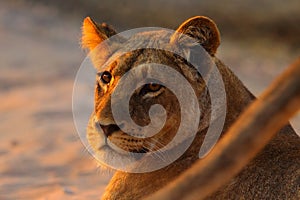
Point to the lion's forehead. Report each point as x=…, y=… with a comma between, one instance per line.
x=148, y=39
x=143, y=47
x=145, y=62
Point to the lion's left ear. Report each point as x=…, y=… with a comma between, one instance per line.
x=203, y=30
x=93, y=33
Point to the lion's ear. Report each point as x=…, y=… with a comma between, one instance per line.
x=93, y=34
x=203, y=30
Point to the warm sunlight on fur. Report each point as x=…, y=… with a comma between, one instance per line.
x=276, y=165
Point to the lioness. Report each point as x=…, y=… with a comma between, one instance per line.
x=273, y=174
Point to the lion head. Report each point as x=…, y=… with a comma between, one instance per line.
x=113, y=61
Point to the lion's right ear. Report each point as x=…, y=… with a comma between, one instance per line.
x=93, y=34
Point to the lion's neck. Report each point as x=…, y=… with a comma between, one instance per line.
x=237, y=95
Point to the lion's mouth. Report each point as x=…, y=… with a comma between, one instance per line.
x=109, y=146
x=109, y=130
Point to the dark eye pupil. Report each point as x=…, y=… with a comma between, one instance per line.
x=153, y=87
x=106, y=77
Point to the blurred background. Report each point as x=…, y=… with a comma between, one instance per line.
x=41, y=156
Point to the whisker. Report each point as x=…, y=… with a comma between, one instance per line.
x=160, y=145
x=158, y=153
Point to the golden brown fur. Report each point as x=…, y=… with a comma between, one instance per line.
x=273, y=174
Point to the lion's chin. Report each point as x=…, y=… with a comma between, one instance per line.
x=108, y=157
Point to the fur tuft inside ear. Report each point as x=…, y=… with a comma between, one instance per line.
x=201, y=28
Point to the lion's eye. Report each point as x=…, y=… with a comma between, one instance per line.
x=106, y=77
x=153, y=87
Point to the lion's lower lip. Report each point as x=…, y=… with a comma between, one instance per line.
x=104, y=147
x=107, y=148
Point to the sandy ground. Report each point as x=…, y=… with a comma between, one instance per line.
x=41, y=156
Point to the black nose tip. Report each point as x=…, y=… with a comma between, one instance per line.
x=109, y=129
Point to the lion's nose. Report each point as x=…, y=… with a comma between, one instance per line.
x=109, y=129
